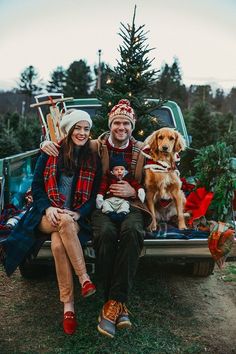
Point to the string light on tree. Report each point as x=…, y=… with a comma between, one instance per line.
x=141, y=132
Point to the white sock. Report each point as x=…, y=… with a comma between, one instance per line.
x=69, y=306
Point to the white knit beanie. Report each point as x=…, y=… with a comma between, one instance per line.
x=73, y=116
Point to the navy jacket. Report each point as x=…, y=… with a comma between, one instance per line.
x=26, y=239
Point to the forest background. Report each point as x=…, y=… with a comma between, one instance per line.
x=210, y=116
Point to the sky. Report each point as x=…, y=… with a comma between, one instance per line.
x=51, y=33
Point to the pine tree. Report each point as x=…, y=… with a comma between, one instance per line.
x=169, y=84
x=202, y=126
x=78, y=79
x=216, y=173
x=130, y=79
x=58, y=80
x=28, y=82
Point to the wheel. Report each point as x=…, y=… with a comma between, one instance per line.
x=202, y=268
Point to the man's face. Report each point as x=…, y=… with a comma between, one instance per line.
x=121, y=130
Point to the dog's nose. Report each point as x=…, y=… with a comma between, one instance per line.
x=164, y=148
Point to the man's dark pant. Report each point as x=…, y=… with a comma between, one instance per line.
x=118, y=247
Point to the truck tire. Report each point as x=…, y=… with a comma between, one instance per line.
x=202, y=268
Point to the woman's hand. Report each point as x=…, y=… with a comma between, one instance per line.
x=123, y=189
x=74, y=214
x=53, y=215
x=50, y=148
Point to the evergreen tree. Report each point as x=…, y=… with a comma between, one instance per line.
x=199, y=93
x=227, y=130
x=169, y=84
x=58, y=80
x=202, y=126
x=29, y=81
x=231, y=101
x=78, y=79
x=130, y=79
x=218, y=100
x=9, y=144
x=215, y=173
x=29, y=128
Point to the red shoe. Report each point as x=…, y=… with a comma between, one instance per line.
x=88, y=289
x=69, y=322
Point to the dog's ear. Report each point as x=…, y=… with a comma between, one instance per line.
x=152, y=141
x=180, y=143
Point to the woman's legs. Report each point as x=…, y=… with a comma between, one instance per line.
x=68, y=231
x=63, y=269
x=62, y=265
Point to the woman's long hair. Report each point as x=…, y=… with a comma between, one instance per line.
x=71, y=162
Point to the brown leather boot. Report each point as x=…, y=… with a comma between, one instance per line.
x=108, y=317
x=123, y=320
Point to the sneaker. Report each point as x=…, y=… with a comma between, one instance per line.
x=123, y=320
x=88, y=289
x=69, y=322
x=108, y=317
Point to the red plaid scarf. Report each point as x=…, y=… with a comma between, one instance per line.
x=83, y=187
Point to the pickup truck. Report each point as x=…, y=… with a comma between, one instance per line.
x=16, y=176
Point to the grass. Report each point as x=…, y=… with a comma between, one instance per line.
x=162, y=322
x=229, y=273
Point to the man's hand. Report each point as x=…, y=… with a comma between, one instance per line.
x=122, y=189
x=53, y=215
x=50, y=148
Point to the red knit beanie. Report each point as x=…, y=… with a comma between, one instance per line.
x=122, y=110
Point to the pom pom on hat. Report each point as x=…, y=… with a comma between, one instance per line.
x=73, y=116
x=122, y=110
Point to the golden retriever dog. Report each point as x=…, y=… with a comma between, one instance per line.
x=162, y=180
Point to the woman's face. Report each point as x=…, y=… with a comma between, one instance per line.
x=80, y=133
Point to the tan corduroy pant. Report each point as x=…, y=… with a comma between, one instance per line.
x=67, y=253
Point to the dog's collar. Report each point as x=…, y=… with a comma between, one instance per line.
x=159, y=166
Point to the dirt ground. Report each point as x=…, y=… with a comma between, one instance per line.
x=212, y=301
x=214, y=305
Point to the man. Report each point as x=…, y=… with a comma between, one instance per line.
x=118, y=244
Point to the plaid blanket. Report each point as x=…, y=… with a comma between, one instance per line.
x=8, y=212
x=167, y=231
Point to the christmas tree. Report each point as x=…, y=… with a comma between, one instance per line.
x=130, y=79
x=216, y=172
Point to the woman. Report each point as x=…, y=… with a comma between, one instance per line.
x=64, y=190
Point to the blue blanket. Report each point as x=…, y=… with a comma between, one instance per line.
x=166, y=231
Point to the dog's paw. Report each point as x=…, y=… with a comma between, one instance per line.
x=152, y=226
x=182, y=227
